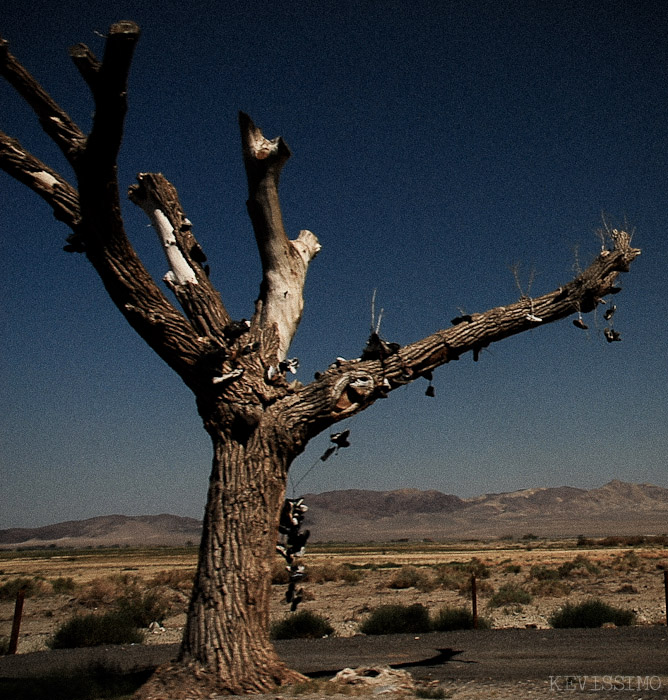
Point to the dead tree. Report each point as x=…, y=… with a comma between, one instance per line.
x=258, y=421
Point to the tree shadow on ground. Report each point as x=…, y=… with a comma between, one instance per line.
x=95, y=683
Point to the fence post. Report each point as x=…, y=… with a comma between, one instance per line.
x=665, y=585
x=16, y=625
x=474, y=601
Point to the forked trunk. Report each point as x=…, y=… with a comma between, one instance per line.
x=226, y=646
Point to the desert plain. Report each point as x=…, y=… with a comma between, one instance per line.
x=519, y=583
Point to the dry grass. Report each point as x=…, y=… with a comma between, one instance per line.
x=345, y=583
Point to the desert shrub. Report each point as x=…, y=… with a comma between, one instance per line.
x=591, y=613
x=658, y=540
x=431, y=692
x=129, y=597
x=483, y=587
x=412, y=577
x=627, y=588
x=125, y=581
x=99, y=591
x=628, y=561
x=456, y=576
x=453, y=618
x=477, y=567
x=350, y=574
x=301, y=625
x=540, y=572
x=94, y=630
x=405, y=577
x=279, y=573
x=612, y=541
x=452, y=578
x=10, y=588
x=397, y=619
x=509, y=594
x=512, y=569
x=31, y=586
x=580, y=565
x=178, y=579
x=632, y=540
x=63, y=585
x=345, y=573
x=142, y=608
x=326, y=572
x=4, y=646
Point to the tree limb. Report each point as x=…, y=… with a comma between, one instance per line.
x=41, y=179
x=86, y=63
x=349, y=387
x=55, y=121
x=108, y=82
x=187, y=277
x=284, y=262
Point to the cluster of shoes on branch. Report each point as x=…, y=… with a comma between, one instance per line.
x=610, y=334
x=292, y=548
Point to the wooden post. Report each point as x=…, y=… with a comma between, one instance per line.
x=665, y=586
x=16, y=625
x=474, y=601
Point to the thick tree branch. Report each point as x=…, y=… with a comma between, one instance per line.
x=55, y=121
x=349, y=387
x=41, y=179
x=284, y=262
x=86, y=63
x=126, y=279
x=108, y=83
x=187, y=276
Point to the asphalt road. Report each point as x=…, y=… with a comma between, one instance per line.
x=497, y=655
x=500, y=655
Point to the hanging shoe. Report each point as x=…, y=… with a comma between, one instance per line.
x=609, y=313
x=341, y=439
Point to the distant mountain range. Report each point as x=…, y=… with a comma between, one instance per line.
x=618, y=508
x=107, y=531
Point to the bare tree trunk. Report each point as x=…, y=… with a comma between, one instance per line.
x=226, y=646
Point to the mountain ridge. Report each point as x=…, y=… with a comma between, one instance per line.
x=353, y=515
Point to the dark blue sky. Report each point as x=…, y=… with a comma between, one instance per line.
x=435, y=144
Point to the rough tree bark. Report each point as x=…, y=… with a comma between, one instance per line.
x=258, y=421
